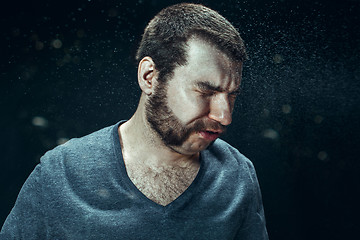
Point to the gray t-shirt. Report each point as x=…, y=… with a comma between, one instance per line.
x=81, y=190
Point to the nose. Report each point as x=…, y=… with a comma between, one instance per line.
x=220, y=109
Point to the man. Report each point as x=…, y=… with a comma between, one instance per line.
x=163, y=174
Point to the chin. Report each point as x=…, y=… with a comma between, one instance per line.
x=191, y=148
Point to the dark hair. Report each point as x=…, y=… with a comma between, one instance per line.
x=165, y=37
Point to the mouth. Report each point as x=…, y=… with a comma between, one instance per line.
x=210, y=135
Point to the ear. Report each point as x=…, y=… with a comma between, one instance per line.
x=147, y=75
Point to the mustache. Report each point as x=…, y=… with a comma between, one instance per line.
x=203, y=125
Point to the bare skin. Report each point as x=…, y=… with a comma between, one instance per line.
x=160, y=177
x=162, y=173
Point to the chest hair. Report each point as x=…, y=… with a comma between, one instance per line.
x=162, y=184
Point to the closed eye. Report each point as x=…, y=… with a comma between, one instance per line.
x=206, y=93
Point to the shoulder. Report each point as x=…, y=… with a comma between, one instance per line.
x=95, y=141
x=80, y=155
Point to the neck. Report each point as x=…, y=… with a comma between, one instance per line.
x=141, y=143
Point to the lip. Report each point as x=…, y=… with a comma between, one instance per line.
x=210, y=135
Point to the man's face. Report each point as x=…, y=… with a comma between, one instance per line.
x=194, y=107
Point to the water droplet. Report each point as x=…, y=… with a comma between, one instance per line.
x=278, y=58
x=40, y=122
x=323, y=156
x=286, y=108
x=318, y=119
x=271, y=133
x=56, y=43
x=266, y=113
x=61, y=141
x=39, y=45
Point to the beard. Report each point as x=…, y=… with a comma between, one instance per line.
x=167, y=125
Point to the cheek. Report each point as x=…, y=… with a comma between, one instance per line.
x=187, y=107
x=203, y=104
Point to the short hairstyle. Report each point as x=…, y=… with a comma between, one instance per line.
x=165, y=37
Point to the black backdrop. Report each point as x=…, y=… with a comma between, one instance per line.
x=67, y=69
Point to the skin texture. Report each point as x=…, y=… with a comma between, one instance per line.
x=162, y=141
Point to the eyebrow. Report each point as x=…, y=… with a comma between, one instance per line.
x=207, y=86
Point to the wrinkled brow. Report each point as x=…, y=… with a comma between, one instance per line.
x=208, y=86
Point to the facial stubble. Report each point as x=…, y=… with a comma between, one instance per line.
x=166, y=124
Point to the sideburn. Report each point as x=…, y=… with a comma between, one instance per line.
x=163, y=120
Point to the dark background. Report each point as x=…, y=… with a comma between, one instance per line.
x=67, y=69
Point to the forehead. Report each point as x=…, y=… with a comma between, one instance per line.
x=207, y=63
